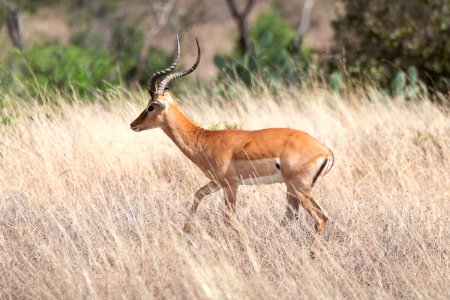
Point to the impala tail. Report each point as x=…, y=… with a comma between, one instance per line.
x=329, y=164
x=325, y=167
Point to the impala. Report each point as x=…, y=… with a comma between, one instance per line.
x=230, y=158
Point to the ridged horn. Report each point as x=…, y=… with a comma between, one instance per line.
x=169, y=78
x=152, y=86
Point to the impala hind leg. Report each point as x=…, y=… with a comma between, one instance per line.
x=314, y=210
x=229, y=194
x=319, y=215
x=291, y=207
x=204, y=191
x=310, y=205
x=322, y=218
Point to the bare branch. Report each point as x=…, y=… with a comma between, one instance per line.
x=248, y=7
x=241, y=19
x=234, y=10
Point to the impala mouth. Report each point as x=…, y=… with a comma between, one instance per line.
x=135, y=128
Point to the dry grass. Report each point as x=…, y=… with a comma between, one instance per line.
x=90, y=209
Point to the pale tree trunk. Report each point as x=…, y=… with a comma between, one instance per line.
x=304, y=22
x=160, y=22
x=14, y=24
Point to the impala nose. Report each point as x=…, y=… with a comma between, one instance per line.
x=134, y=128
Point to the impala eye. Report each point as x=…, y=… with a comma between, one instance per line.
x=150, y=108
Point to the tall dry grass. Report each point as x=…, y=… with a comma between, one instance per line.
x=90, y=209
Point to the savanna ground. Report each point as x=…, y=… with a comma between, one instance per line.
x=90, y=209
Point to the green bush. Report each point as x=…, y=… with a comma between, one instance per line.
x=124, y=47
x=274, y=58
x=65, y=68
x=395, y=43
x=82, y=67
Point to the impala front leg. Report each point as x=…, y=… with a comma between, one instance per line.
x=229, y=194
x=205, y=190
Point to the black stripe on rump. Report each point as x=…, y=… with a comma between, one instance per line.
x=320, y=170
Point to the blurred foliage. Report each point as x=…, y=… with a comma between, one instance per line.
x=224, y=125
x=124, y=47
x=396, y=44
x=33, y=6
x=400, y=46
x=61, y=68
x=274, y=58
x=83, y=66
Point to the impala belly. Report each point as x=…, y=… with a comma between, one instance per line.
x=261, y=171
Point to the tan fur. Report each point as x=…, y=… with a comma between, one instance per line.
x=228, y=157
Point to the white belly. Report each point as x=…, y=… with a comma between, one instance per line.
x=275, y=178
x=263, y=171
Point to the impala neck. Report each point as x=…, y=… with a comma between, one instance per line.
x=183, y=132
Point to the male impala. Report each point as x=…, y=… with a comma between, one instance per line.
x=230, y=158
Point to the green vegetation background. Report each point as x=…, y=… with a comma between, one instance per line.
x=402, y=47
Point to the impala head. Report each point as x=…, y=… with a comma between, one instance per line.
x=153, y=115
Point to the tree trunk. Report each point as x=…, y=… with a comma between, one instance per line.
x=140, y=63
x=160, y=22
x=304, y=22
x=80, y=3
x=244, y=40
x=241, y=18
x=14, y=24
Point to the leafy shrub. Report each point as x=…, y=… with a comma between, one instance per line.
x=66, y=69
x=124, y=47
x=396, y=43
x=274, y=57
x=82, y=67
x=33, y=6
